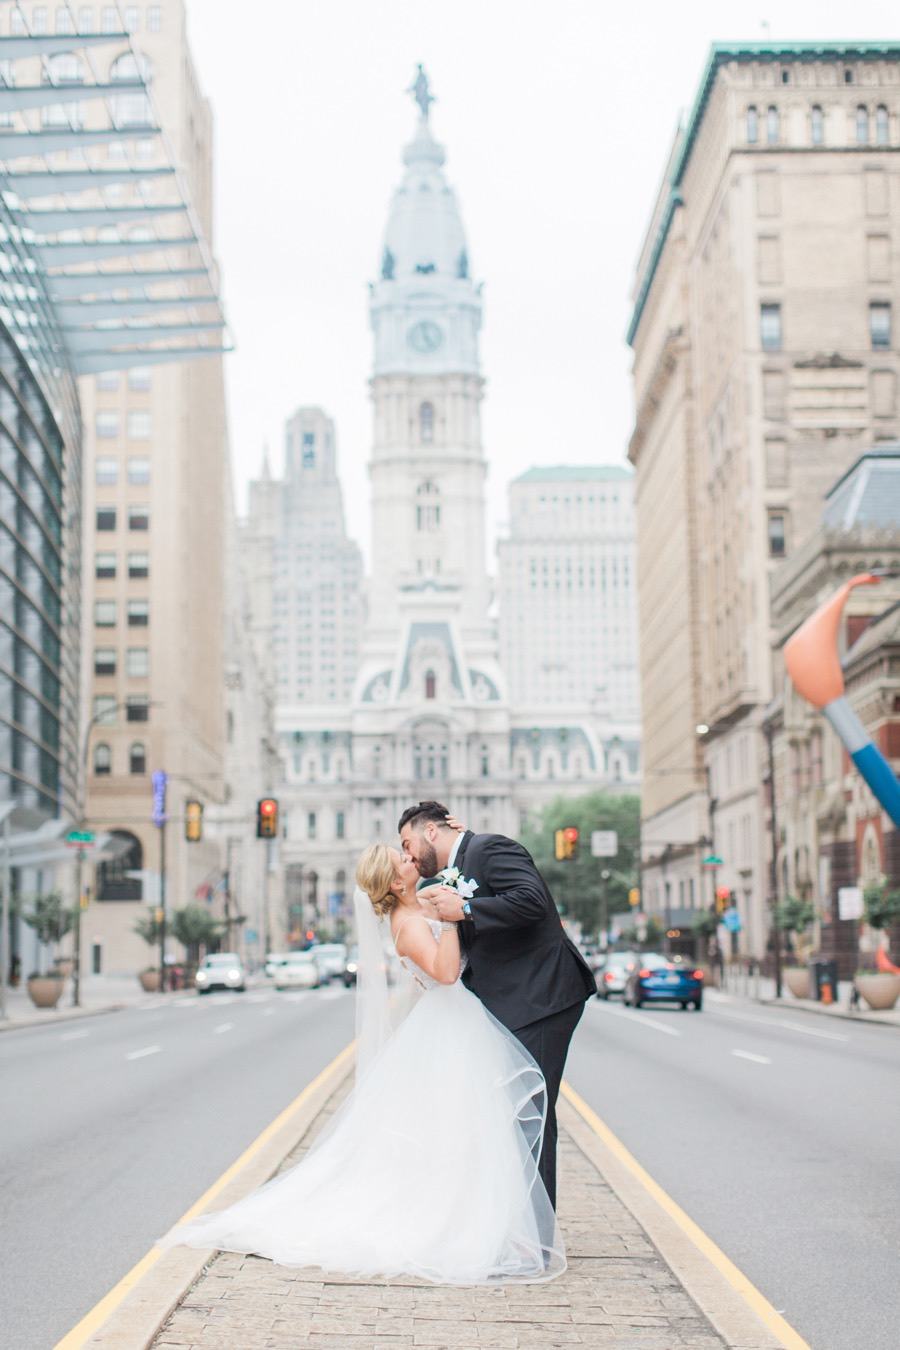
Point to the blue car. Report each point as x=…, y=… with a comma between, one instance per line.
x=659, y=979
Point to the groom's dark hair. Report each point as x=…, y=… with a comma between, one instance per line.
x=417, y=815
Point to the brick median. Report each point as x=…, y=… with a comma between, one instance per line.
x=617, y=1292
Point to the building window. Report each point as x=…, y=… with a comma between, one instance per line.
x=108, y=380
x=120, y=879
x=862, y=125
x=104, y=660
x=137, y=758
x=339, y=825
x=428, y=507
x=139, y=517
x=138, y=469
x=137, y=662
x=770, y=327
x=105, y=613
x=85, y=19
x=106, y=472
x=485, y=762
x=104, y=566
x=137, y=708
x=773, y=126
x=311, y=825
x=752, y=126
x=882, y=125
x=138, y=613
x=430, y=684
x=817, y=126
x=105, y=709
x=139, y=425
x=102, y=759
x=426, y=423
x=64, y=20
x=109, y=20
x=131, y=18
x=139, y=377
x=777, y=537
x=39, y=20
x=138, y=565
x=154, y=18
x=880, y=324
x=107, y=424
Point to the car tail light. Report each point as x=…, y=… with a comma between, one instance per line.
x=645, y=974
x=698, y=974
x=609, y=976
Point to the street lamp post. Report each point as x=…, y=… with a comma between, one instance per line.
x=769, y=732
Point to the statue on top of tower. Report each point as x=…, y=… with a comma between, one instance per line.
x=421, y=91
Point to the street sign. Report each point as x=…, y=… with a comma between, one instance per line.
x=80, y=837
x=251, y=935
x=712, y=860
x=604, y=843
x=732, y=920
x=850, y=902
x=160, y=781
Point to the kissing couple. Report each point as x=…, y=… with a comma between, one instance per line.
x=441, y=1163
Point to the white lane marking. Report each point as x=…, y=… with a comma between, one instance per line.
x=74, y=1035
x=147, y=1050
x=297, y=996
x=224, y=1026
x=780, y=1022
x=268, y=1012
x=755, y=1059
x=259, y=998
x=637, y=1018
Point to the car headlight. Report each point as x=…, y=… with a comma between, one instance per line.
x=351, y=967
x=234, y=974
x=201, y=977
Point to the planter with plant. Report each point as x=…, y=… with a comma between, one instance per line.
x=51, y=920
x=195, y=928
x=148, y=927
x=795, y=916
x=879, y=988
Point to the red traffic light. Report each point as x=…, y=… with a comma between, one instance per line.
x=267, y=818
x=570, y=834
x=268, y=807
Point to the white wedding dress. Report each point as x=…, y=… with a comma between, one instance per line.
x=427, y=1169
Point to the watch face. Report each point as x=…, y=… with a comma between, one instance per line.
x=425, y=336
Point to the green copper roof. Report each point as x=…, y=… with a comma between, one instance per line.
x=720, y=54
x=572, y=473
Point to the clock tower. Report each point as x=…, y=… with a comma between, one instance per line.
x=427, y=467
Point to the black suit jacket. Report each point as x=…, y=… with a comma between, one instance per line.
x=520, y=964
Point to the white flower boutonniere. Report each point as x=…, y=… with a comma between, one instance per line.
x=454, y=879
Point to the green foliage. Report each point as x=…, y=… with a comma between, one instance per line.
x=195, y=927
x=882, y=907
x=577, y=884
x=704, y=924
x=148, y=928
x=793, y=915
x=50, y=918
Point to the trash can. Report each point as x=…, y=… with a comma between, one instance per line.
x=823, y=978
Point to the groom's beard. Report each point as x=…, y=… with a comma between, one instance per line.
x=427, y=863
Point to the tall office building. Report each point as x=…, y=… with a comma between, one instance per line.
x=765, y=361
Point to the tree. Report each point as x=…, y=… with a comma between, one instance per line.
x=577, y=884
x=194, y=927
x=882, y=906
x=50, y=918
x=793, y=915
x=149, y=928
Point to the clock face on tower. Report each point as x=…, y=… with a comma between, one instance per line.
x=425, y=337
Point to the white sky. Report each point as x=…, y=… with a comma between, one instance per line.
x=557, y=116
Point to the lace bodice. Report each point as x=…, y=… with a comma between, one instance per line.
x=421, y=977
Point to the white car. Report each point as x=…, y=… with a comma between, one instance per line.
x=220, y=971
x=298, y=970
x=331, y=958
x=273, y=961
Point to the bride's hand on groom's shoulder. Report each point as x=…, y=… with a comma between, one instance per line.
x=456, y=824
x=440, y=902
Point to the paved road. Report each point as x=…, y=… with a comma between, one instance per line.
x=111, y=1126
x=779, y=1134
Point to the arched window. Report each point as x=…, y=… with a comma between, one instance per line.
x=862, y=125
x=131, y=109
x=102, y=759
x=428, y=507
x=426, y=423
x=752, y=126
x=430, y=684
x=882, y=125
x=115, y=879
x=817, y=126
x=773, y=125
x=137, y=757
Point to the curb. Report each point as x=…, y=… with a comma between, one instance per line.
x=721, y=1292
x=140, y=1305
x=70, y=1014
x=797, y=1006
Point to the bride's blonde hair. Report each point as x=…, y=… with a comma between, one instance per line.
x=376, y=874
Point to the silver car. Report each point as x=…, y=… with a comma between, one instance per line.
x=223, y=970
x=331, y=958
x=612, y=975
x=298, y=970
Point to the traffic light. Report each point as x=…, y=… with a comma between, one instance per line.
x=193, y=822
x=267, y=818
x=565, y=844
x=724, y=899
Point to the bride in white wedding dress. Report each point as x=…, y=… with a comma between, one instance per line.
x=429, y=1167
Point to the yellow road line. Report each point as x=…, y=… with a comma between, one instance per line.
x=760, y=1305
x=94, y=1319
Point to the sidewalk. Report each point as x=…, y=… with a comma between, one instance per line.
x=99, y=994
x=621, y=1288
x=759, y=989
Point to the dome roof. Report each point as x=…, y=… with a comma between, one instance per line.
x=424, y=235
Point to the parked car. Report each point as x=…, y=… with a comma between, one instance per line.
x=273, y=961
x=351, y=966
x=658, y=979
x=612, y=974
x=298, y=970
x=593, y=955
x=223, y=970
x=331, y=958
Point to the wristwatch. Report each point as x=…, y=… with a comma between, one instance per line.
x=467, y=910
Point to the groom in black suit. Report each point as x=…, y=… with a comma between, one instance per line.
x=521, y=964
